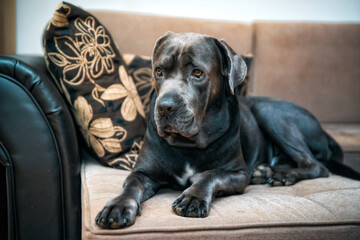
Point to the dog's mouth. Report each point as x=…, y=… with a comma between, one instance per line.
x=177, y=138
x=170, y=131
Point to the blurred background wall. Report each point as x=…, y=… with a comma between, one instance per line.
x=32, y=15
x=7, y=27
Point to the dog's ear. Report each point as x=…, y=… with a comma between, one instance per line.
x=232, y=65
x=158, y=44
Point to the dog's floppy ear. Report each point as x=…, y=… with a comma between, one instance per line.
x=233, y=66
x=158, y=44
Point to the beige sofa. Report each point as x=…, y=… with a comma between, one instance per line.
x=315, y=65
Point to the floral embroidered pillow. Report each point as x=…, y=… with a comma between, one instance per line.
x=89, y=70
x=139, y=68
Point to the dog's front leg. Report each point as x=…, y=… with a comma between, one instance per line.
x=195, y=201
x=122, y=210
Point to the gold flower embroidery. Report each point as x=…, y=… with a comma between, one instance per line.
x=95, y=46
x=87, y=56
x=132, y=103
x=98, y=132
x=70, y=58
x=59, y=18
x=143, y=81
x=128, y=162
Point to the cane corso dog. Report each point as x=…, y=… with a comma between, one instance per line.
x=206, y=140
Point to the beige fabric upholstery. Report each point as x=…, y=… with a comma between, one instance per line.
x=325, y=208
x=312, y=64
x=137, y=34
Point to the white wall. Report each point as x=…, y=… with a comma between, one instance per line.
x=32, y=15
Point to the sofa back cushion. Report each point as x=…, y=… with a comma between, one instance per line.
x=137, y=33
x=312, y=64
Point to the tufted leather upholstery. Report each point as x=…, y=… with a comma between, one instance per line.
x=39, y=147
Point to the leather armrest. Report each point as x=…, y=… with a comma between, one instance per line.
x=39, y=147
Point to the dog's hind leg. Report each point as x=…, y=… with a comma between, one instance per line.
x=262, y=174
x=296, y=134
x=290, y=141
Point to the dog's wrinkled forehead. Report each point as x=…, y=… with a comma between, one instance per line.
x=185, y=48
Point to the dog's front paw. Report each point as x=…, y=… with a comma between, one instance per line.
x=188, y=205
x=118, y=213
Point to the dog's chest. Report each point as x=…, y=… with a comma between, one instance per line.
x=188, y=176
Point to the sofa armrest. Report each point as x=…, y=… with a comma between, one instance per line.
x=39, y=147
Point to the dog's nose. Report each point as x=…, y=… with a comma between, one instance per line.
x=166, y=106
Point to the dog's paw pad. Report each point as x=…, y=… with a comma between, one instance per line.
x=190, y=206
x=118, y=214
x=281, y=179
x=261, y=174
x=275, y=183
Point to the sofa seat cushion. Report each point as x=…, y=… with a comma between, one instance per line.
x=325, y=207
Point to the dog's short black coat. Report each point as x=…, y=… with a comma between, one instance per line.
x=204, y=139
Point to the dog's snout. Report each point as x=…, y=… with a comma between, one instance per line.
x=167, y=105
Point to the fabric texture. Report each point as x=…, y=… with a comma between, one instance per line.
x=140, y=69
x=137, y=33
x=90, y=71
x=325, y=208
x=315, y=65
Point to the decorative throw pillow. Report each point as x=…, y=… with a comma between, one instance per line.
x=139, y=68
x=88, y=68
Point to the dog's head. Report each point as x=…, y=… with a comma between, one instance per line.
x=191, y=72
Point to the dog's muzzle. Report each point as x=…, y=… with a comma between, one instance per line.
x=174, y=117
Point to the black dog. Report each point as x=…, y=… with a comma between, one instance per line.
x=202, y=138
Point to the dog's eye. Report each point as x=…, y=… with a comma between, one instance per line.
x=159, y=72
x=197, y=73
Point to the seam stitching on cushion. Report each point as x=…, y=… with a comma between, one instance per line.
x=317, y=203
x=321, y=206
x=274, y=225
x=331, y=190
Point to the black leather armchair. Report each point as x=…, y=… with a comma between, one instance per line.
x=39, y=154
